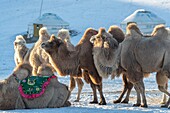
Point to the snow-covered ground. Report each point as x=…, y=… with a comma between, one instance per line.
x=81, y=14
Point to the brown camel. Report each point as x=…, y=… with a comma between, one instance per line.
x=71, y=62
x=55, y=95
x=103, y=43
x=38, y=56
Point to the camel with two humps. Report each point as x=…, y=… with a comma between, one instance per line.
x=111, y=43
x=38, y=56
x=56, y=94
x=71, y=62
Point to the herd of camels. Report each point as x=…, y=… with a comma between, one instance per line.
x=99, y=54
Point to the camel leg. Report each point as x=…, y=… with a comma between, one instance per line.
x=163, y=101
x=72, y=83
x=162, y=82
x=141, y=87
x=125, y=88
x=138, y=95
x=93, y=86
x=162, y=89
x=130, y=86
x=102, y=99
x=80, y=85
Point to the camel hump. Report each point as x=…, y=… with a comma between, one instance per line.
x=43, y=31
x=19, y=38
x=160, y=31
x=117, y=33
x=64, y=35
x=90, y=31
x=102, y=30
x=133, y=30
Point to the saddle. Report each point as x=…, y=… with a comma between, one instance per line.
x=34, y=86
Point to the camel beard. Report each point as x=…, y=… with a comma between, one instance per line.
x=104, y=62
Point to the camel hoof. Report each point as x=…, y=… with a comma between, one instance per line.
x=162, y=102
x=136, y=105
x=94, y=102
x=76, y=100
x=67, y=103
x=102, y=103
x=144, y=105
x=164, y=106
x=116, y=101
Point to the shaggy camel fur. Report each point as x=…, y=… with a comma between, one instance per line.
x=37, y=55
x=71, y=62
x=99, y=49
x=99, y=55
x=21, y=50
x=140, y=55
x=10, y=97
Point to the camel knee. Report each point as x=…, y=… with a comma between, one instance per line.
x=96, y=80
x=79, y=83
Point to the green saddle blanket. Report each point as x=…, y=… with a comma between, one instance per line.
x=34, y=86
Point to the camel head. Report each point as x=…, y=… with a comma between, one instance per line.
x=105, y=52
x=22, y=71
x=103, y=40
x=45, y=70
x=19, y=42
x=52, y=45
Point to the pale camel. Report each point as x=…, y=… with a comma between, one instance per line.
x=55, y=95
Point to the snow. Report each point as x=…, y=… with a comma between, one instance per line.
x=80, y=14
